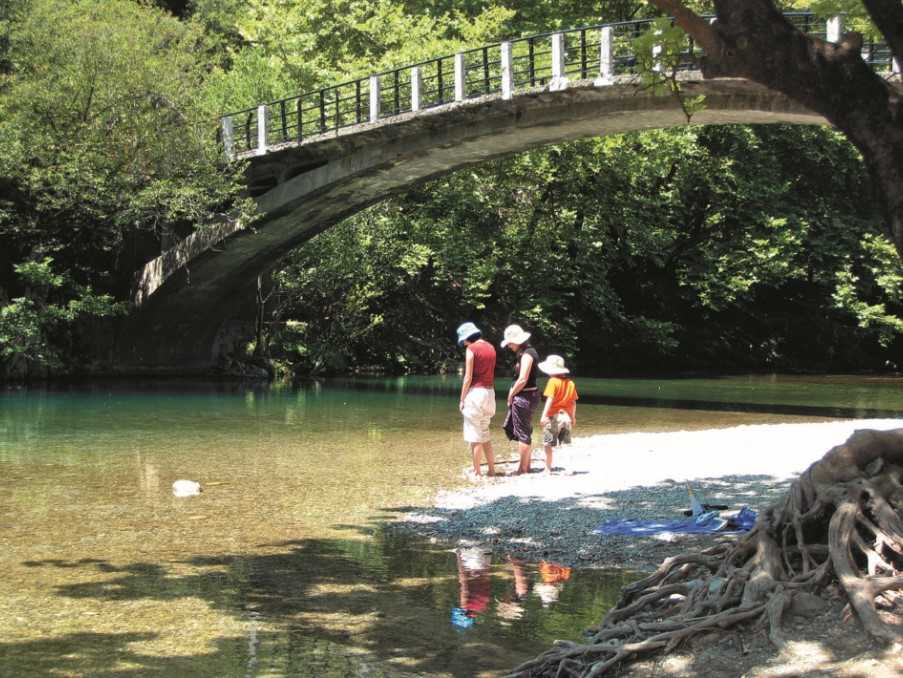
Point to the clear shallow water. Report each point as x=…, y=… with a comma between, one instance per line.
x=281, y=565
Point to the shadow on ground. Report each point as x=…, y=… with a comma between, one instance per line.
x=534, y=528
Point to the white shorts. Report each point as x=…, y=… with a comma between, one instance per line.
x=479, y=407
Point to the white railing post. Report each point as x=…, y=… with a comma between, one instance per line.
x=656, y=53
x=374, y=98
x=261, y=129
x=559, y=80
x=228, y=138
x=834, y=28
x=507, y=74
x=459, y=77
x=895, y=66
x=606, y=61
x=416, y=85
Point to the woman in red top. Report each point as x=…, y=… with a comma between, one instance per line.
x=477, y=402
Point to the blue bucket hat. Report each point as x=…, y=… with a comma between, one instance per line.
x=466, y=331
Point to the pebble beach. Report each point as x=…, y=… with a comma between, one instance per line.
x=542, y=516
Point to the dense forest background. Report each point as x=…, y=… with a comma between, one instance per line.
x=696, y=248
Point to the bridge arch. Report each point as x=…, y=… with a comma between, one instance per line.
x=192, y=294
x=318, y=158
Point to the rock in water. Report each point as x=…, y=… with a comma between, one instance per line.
x=186, y=488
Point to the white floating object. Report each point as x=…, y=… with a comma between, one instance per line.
x=186, y=488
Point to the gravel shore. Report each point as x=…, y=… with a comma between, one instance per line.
x=631, y=475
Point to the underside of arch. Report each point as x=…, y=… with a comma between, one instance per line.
x=191, y=293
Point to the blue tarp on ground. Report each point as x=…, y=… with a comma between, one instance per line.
x=706, y=523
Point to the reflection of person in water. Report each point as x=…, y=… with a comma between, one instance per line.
x=551, y=580
x=474, y=586
x=510, y=607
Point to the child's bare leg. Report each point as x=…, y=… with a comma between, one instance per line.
x=548, y=458
x=490, y=456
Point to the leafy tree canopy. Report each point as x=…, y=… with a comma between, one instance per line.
x=105, y=143
x=690, y=248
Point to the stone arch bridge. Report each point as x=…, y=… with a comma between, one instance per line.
x=315, y=159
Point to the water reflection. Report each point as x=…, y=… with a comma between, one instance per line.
x=510, y=607
x=552, y=578
x=474, y=586
x=105, y=572
x=545, y=581
x=148, y=477
x=309, y=607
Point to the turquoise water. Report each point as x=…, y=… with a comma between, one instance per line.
x=283, y=565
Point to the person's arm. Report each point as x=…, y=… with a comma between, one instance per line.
x=549, y=395
x=526, y=362
x=545, y=411
x=468, y=377
x=572, y=410
x=521, y=584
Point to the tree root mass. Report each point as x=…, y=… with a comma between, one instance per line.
x=840, y=524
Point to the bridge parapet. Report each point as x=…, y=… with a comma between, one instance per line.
x=603, y=53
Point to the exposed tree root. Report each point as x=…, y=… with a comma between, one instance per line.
x=841, y=522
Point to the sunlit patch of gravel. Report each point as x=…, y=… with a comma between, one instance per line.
x=629, y=475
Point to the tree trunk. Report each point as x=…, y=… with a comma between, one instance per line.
x=751, y=39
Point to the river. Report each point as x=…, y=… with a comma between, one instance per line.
x=283, y=564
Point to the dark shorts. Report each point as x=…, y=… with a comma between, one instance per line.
x=519, y=419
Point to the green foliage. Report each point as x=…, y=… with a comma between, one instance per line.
x=30, y=325
x=660, y=53
x=855, y=16
x=697, y=247
x=280, y=49
x=101, y=121
x=273, y=50
x=682, y=249
x=866, y=295
x=105, y=150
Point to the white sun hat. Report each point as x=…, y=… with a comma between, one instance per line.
x=553, y=365
x=514, y=334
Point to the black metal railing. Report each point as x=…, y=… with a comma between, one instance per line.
x=311, y=114
x=437, y=82
x=531, y=62
x=482, y=71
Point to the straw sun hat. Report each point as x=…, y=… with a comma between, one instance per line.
x=514, y=334
x=553, y=365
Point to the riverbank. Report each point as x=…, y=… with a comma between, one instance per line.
x=625, y=476
x=540, y=517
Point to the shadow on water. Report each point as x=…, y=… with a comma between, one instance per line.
x=587, y=397
x=330, y=607
x=109, y=655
